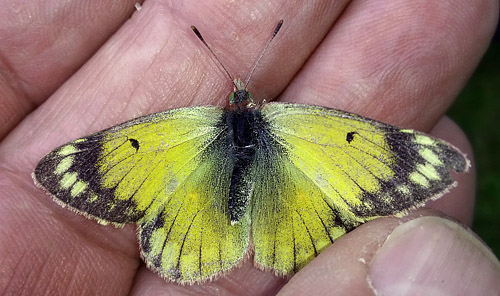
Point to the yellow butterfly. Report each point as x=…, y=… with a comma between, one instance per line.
x=207, y=185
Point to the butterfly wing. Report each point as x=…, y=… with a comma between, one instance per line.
x=167, y=171
x=325, y=171
x=192, y=240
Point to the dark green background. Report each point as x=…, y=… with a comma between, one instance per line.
x=477, y=111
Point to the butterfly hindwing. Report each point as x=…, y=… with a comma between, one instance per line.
x=292, y=219
x=192, y=239
x=326, y=171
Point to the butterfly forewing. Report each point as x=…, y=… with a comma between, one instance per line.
x=125, y=173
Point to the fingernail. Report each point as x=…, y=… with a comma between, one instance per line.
x=434, y=256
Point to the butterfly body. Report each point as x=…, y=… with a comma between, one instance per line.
x=242, y=141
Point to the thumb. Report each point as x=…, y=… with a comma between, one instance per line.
x=434, y=256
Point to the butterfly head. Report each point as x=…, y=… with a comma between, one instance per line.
x=240, y=96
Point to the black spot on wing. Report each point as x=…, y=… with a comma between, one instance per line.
x=134, y=143
x=350, y=136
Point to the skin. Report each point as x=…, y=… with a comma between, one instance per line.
x=76, y=69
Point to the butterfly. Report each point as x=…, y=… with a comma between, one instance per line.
x=207, y=185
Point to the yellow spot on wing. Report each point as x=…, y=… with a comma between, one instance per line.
x=430, y=156
x=78, y=188
x=403, y=189
x=68, y=180
x=424, y=140
x=193, y=197
x=64, y=165
x=67, y=150
x=429, y=171
x=418, y=178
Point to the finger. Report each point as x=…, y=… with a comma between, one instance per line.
x=425, y=256
x=434, y=256
x=401, y=62
x=43, y=43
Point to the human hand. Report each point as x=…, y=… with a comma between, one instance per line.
x=394, y=62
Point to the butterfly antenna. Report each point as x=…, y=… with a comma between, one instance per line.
x=276, y=30
x=198, y=34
